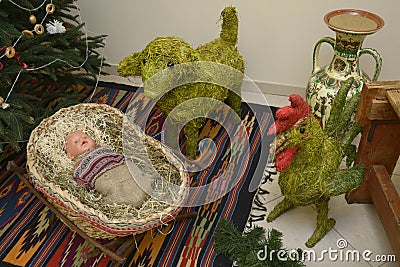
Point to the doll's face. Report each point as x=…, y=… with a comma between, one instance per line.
x=77, y=143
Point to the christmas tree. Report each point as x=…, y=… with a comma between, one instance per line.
x=46, y=55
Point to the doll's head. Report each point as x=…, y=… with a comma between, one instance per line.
x=77, y=143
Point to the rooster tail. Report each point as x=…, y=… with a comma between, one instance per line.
x=349, y=136
x=345, y=181
x=341, y=110
x=230, y=25
x=345, y=120
x=340, y=123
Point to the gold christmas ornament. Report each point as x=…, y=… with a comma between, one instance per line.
x=31, y=120
x=39, y=29
x=50, y=8
x=32, y=19
x=10, y=52
x=1, y=100
x=27, y=32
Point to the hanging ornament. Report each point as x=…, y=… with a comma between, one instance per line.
x=3, y=104
x=55, y=27
x=32, y=19
x=39, y=29
x=27, y=32
x=22, y=64
x=50, y=8
x=10, y=52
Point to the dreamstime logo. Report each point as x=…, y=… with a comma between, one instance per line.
x=340, y=254
x=219, y=75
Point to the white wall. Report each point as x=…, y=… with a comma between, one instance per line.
x=276, y=37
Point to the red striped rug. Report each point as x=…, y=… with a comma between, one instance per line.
x=27, y=238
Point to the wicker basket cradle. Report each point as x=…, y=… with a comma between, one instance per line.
x=93, y=221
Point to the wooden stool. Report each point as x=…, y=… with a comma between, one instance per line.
x=379, y=149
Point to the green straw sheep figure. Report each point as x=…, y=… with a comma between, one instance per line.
x=165, y=81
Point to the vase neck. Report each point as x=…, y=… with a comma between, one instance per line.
x=345, y=62
x=348, y=44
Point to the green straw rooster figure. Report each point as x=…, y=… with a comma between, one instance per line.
x=308, y=157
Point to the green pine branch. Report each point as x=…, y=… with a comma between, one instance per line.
x=257, y=248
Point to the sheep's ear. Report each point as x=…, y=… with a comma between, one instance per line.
x=131, y=65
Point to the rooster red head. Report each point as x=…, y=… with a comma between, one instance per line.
x=286, y=118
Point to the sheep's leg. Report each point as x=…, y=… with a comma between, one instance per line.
x=192, y=138
x=235, y=102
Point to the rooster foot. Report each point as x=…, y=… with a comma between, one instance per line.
x=324, y=225
x=280, y=208
x=320, y=232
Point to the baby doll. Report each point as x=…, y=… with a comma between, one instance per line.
x=102, y=169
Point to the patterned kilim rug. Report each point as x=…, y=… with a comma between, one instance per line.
x=28, y=238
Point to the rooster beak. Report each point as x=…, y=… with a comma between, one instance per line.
x=278, y=143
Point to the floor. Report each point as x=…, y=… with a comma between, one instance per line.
x=358, y=229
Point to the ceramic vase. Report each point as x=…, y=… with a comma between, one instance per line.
x=350, y=27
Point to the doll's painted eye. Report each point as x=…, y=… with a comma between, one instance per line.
x=144, y=61
x=302, y=130
x=170, y=64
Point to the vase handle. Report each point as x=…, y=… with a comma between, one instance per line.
x=378, y=60
x=317, y=46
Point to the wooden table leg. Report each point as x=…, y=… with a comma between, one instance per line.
x=379, y=144
x=387, y=203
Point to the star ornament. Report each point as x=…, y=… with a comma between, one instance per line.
x=55, y=27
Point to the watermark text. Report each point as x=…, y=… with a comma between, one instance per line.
x=339, y=254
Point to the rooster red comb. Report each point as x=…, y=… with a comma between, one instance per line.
x=286, y=117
